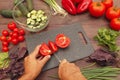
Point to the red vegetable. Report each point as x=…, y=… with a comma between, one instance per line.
x=9, y=39
x=15, y=41
x=21, y=38
x=45, y=50
x=115, y=24
x=15, y=35
x=12, y=25
x=107, y=3
x=21, y=32
x=3, y=38
x=112, y=13
x=5, y=43
x=53, y=47
x=5, y=49
x=5, y=33
x=16, y=30
x=97, y=9
x=62, y=41
x=69, y=6
x=83, y=6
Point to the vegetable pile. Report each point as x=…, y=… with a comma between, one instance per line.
x=14, y=37
x=16, y=57
x=36, y=19
x=101, y=73
x=61, y=41
x=107, y=39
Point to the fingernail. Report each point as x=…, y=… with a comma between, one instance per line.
x=48, y=56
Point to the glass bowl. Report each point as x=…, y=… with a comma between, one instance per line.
x=22, y=20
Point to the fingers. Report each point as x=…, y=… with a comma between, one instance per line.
x=36, y=51
x=44, y=60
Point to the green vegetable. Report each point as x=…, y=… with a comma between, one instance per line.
x=30, y=5
x=8, y=13
x=101, y=73
x=107, y=39
x=36, y=19
x=57, y=9
x=4, y=60
x=21, y=7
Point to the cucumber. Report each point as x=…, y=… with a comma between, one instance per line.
x=29, y=5
x=8, y=13
x=21, y=7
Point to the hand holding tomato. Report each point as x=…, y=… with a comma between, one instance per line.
x=97, y=9
x=33, y=62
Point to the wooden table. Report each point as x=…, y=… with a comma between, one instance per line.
x=90, y=25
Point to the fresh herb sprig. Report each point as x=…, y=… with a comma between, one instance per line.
x=107, y=38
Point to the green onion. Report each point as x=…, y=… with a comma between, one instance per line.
x=57, y=9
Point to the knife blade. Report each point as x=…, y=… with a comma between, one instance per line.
x=59, y=60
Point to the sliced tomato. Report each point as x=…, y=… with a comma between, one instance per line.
x=45, y=50
x=53, y=47
x=62, y=41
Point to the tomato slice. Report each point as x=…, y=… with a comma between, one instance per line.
x=62, y=41
x=53, y=47
x=45, y=50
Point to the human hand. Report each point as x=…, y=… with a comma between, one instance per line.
x=33, y=65
x=69, y=71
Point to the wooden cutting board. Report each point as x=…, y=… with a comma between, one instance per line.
x=79, y=48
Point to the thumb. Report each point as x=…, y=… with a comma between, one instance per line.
x=44, y=60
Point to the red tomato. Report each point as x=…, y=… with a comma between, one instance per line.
x=21, y=32
x=112, y=13
x=97, y=9
x=5, y=43
x=15, y=41
x=11, y=33
x=15, y=35
x=21, y=38
x=62, y=41
x=9, y=39
x=107, y=3
x=5, y=33
x=16, y=30
x=3, y=38
x=45, y=50
x=5, y=49
x=115, y=24
x=53, y=46
x=12, y=25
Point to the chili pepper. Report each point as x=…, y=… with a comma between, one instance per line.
x=69, y=6
x=83, y=6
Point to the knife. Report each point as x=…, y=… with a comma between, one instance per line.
x=59, y=60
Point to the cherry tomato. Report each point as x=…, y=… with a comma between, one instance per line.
x=21, y=32
x=5, y=43
x=15, y=41
x=16, y=30
x=115, y=24
x=5, y=49
x=112, y=13
x=62, y=41
x=97, y=9
x=12, y=25
x=45, y=50
x=107, y=3
x=5, y=33
x=53, y=46
x=9, y=39
x=3, y=38
x=21, y=38
x=15, y=35
x=11, y=33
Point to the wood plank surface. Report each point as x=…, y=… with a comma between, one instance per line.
x=90, y=25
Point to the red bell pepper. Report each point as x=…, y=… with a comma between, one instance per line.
x=69, y=6
x=83, y=6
